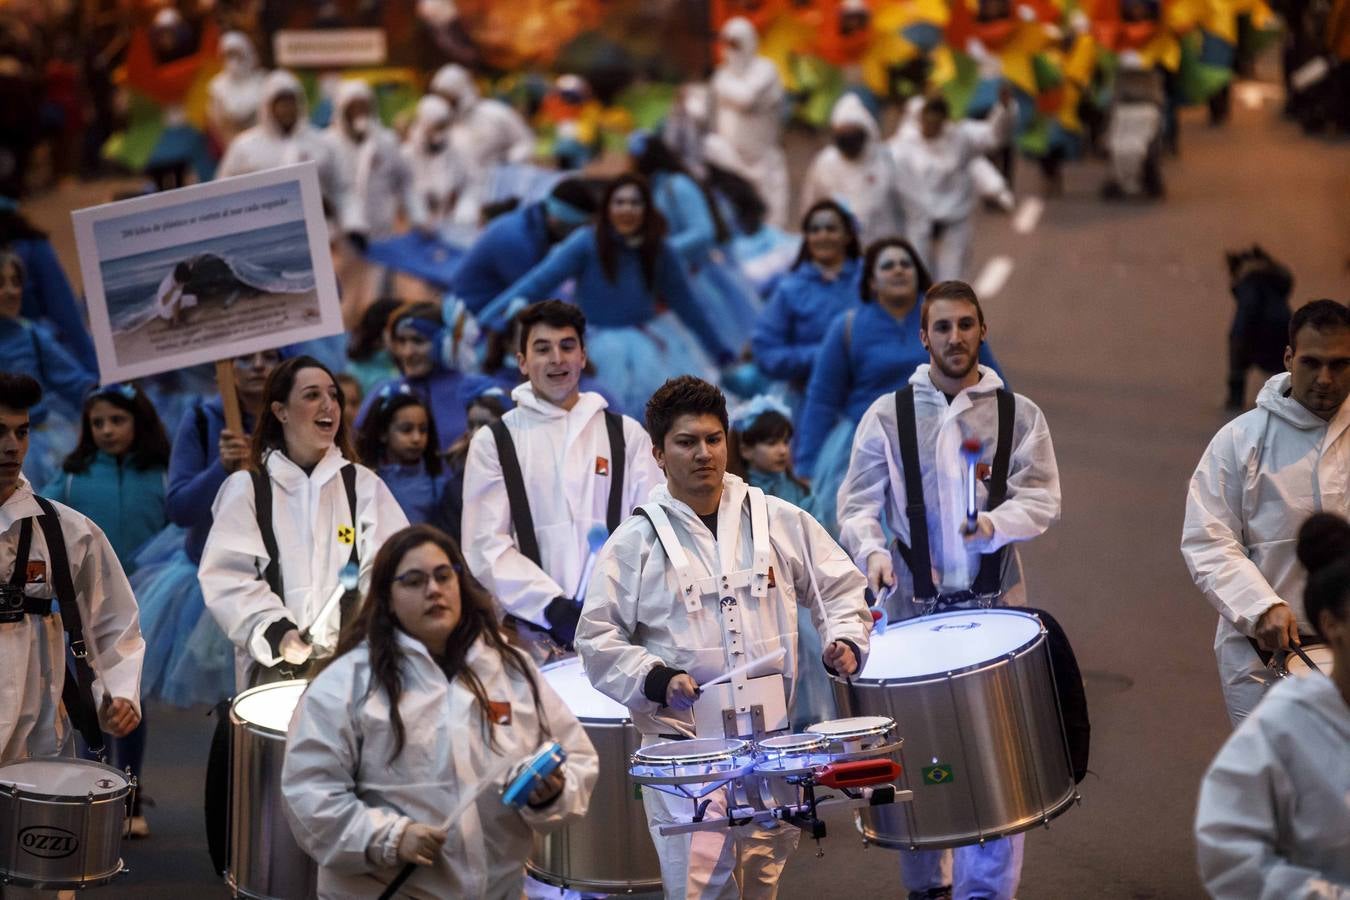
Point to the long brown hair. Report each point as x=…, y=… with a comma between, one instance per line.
x=653, y=233
x=377, y=627
x=269, y=435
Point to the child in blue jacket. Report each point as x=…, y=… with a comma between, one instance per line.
x=398, y=440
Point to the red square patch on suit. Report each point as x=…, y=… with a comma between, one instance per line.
x=601, y=466
x=500, y=711
x=37, y=571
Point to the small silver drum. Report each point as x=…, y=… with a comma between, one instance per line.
x=265, y=861
x=692, y=768
x=61, y=823
x=609, y=851
x=858, y=737
x=792, y=754
x=1319, y=653
x=984, y=750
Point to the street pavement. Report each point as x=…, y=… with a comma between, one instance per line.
x=1113, y=319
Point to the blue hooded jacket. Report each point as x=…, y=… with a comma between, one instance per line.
x=195, y=472
x=507, y=249
x=31, y=348
x=789, y=331
x=126, y=502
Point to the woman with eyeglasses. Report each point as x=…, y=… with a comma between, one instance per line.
x=867, y=351
x=822, y=283
x=293, y=528
x=424, y=706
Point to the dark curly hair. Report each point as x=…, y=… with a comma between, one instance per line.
x=609, y=245
x=149, y=447
x=554, y=313
x=19, y=391
x=1324, y=550
x=867, y=291
x=685, y=395
x=371, y=438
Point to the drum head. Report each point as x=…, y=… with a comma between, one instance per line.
x=63, y=778
x=568, y=678
x=698, y=750
x=801, y=742
x=854, y=728
x=948, y=642
x=269, y=706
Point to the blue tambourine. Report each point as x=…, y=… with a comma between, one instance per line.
x=542, y=764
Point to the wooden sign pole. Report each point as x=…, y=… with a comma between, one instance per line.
x=234, y=420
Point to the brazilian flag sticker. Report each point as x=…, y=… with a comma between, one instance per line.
x=939, y=774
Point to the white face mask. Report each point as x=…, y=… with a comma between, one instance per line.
x=237, y=66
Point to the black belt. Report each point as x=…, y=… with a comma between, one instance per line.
x=37, y=606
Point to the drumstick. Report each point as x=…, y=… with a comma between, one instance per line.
x=773, y=657
x=347, y=580
x=970, y=452
x=595, y=539
x=1306, y=658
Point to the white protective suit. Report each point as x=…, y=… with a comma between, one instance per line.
x=265, y=146
x=33, y=721
x=485, y=133
x=748, y=118
x=349, y=803
x=874, y=487
x=375, y=167
x=438, y=178
x=313, y=530
x=1261, y=476
x=638, y=617
x=938, y=180
x=564, y=461
x=1273, y=819
x=1129, y=137
x=235, y=92
x=867, y=186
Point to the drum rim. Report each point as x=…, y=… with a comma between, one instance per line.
x=237, y=719
x=874, y=731
x=739, y=748
x=599, y=720
x=819, y=742
x=1040, y=636
x=73, y=799
x=39, y=885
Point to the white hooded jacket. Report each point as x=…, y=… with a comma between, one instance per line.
x=375, y=167
x=936, y=177
x=349, y=800
x=1273, y=819
x=314, y=532
x=873, y=490
x=635, y=617
x=33, y=722
x=265, y=146
x=867, y=186
x=438, y=177
x=235, y=92
x=564, y=461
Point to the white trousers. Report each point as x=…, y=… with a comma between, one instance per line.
x=1238, y=662
x=952, y=257
x=976, y=872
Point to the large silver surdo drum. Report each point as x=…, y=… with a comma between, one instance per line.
x=61, y=823
x=973, y=696
x=610, y=851
x=265, y=861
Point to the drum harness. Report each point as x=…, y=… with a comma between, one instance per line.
x=77, y=694
x=987, y=586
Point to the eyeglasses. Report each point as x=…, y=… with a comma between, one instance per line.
x=416, y=579
x=887, y=264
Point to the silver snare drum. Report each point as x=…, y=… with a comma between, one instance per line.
x=61, y=823
x=973, y=696
x=609, y=851
x=265, y=861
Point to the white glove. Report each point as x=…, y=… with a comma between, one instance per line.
x=294, y=649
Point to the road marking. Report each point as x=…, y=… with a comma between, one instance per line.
x=993, y=276
x=1028, y=215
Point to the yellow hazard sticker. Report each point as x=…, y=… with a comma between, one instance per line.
x=346, y=534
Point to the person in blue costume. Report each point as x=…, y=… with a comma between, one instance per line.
x=47, y=297
x=116, y=477
x=822, y=284
x=398, y=441
x=697, y=232
x=417, y=339
x=866, y=352
x=623, y=268
x=31, y=348
x=368, y=357
x=516, y=242
x=188, y=659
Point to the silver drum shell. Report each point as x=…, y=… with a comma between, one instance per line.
x=265, y=861
x=997, y=725
x=90, y=827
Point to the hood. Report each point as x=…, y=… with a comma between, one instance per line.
x=1274, y=398
x=431, y=112
x=349, y=90
x=743, y=32
x=989, y=381
x=733, y=495
x=455, y=81
x=275, y=84
x=238, y=42
x=849, y=110
x=587, y=405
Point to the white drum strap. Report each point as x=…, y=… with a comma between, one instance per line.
x=692, y=587
x=689, y=583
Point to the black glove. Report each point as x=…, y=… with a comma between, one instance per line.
x=562, y=615
x=359, y=241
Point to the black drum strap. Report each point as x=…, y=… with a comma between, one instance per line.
x=516, y=498
x=989, y=579
x=918, y=558
x=618, y=452
x=20, y=576
x=1069, y=692
x=262, y=510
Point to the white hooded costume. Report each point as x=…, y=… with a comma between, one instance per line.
x=371, y=162
x=564, y=462
x=1273, y=819
x=717, y=603
x=33, y=721
x=1261, y=476
x=265, y=146
x=314, y=531
x=867, y=186
x=484, y=133
x=349, y=799
x=235, y=92
x=748, y=115
x=438, y=178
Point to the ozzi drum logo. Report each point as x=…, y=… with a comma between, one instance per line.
x=48, y=842
x=956, y=626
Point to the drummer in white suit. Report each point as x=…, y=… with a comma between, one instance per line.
x=950, y=400
x=262, y=597
x=33, y=719
x=708, y=577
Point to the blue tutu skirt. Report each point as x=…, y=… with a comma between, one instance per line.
x=729, y=297
x=831, y=466
x=635, y=361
